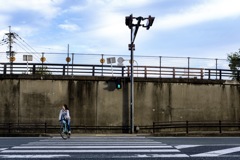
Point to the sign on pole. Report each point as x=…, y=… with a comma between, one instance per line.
x=27, y=58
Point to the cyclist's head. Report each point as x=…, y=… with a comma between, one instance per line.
x=66, y=107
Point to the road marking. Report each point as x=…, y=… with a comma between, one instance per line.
x=169, y=155
x=50, y=148
x=92, y=151
x=154, y=156
x=87, y=147
x=85, y=142
x=186, y=146
x=217, y=152
x=34, y=156
x=103, y=137
x=1, y=149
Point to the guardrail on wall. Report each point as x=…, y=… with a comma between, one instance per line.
x=117, y=71
x=36, y=128
x=189, y=126
x=157, y=127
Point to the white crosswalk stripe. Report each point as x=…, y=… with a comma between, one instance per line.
x=1, y=149
x=58, y=148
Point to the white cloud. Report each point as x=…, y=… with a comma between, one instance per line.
x=105, y=22
x=47, y=8
x=4, y=19
x=69, y=27
x=206, y=11
x=108, y=4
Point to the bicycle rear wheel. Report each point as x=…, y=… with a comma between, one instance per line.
x=63, y=133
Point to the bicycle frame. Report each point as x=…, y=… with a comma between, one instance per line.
x=65, y=129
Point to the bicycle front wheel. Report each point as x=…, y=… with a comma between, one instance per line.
x=63, y=133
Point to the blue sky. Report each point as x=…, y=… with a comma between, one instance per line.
x=182, y=28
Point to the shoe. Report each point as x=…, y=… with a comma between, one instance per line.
x=69, y=132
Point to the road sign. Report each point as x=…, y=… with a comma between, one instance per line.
x=27, y=58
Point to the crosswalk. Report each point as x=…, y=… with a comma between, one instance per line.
x=113, y=147
x=80, y=147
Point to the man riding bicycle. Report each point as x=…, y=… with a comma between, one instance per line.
x=64, y=116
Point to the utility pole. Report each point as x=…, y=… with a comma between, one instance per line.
x=11, y=53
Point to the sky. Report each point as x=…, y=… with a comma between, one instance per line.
x=182, y=28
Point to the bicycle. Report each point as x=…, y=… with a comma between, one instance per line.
x=64, y=130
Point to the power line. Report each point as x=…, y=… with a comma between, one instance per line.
x=25, y=48
x=27, y=51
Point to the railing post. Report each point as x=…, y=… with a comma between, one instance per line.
x=9, y=128
x=238, y=78
x=202, y=73
x=220, y=126
x=173, y=72
x=5, y=69
x=238, y=125
x=188, y=66
x=160, y=66
x=45, y=127
x=220, y=74
x=209, y=74
x=64, y=69
x=145, y=71
x=123, y=71
x=153, y=127
x=34, y=69
x=187, y=127
x=93, y=71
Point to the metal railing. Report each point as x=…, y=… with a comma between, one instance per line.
x=141, y=60
x=188, y=126
x=34, y=128
x=117, y=71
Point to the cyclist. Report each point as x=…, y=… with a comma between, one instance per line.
x=65, y=115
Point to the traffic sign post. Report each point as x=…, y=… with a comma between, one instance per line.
x=27, y=58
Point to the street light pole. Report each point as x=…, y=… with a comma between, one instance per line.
x=129, y=23
x=132, y=85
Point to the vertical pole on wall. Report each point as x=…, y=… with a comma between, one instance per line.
x=102, y=65
x=67, y=56
x=72, y=62
x=160, y=66
x=42, y=62
x=188, y=66
x=216, y=67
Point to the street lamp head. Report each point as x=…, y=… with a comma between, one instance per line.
x=150, y=22
x=139, y=18
x=128, y=21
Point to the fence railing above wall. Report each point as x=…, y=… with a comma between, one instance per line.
x=117, y=71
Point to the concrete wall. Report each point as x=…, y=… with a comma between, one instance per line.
x=181, y=102
x=95, y=103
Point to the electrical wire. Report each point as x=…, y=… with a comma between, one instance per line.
x=25, y=48
x=27, y=52
x=28, y=46
x=20, y=40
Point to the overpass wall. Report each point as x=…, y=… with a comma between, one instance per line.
x=96, y=103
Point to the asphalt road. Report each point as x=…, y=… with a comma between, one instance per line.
x=121, y=147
